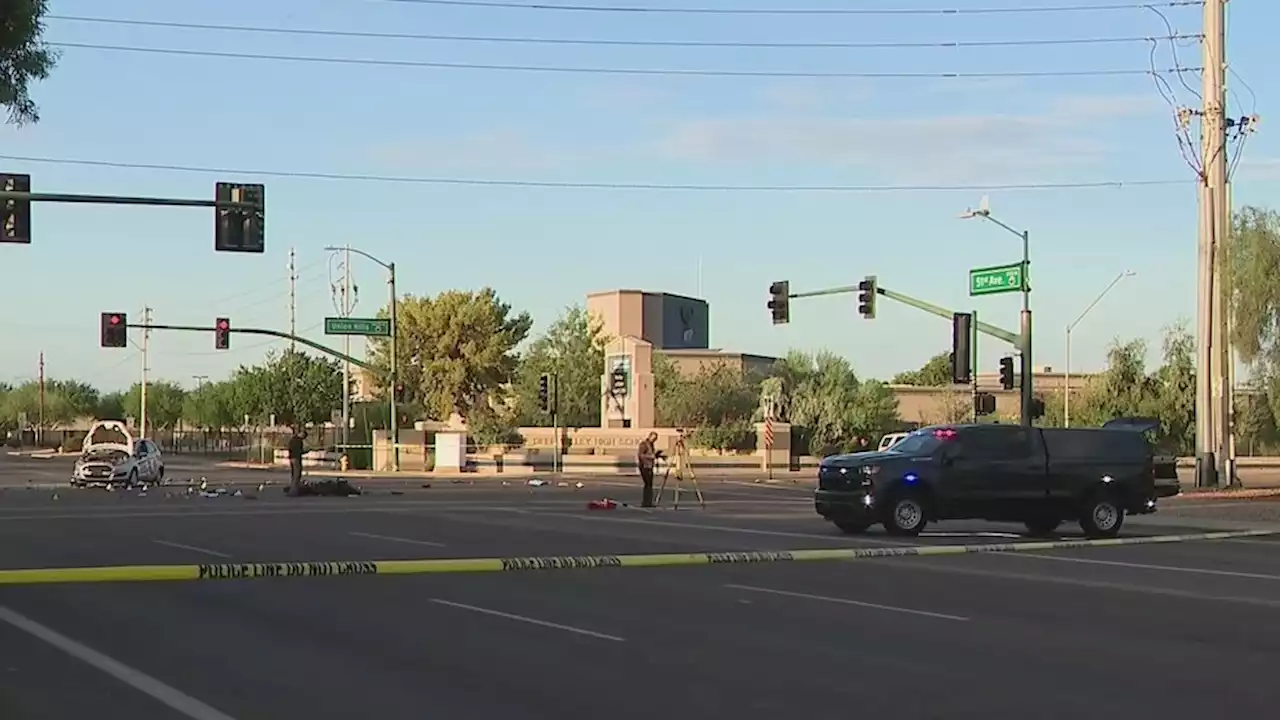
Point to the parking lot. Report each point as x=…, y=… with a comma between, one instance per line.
x=1175, y=630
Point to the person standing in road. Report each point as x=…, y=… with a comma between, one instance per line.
x=646, y=459
x=296, y=451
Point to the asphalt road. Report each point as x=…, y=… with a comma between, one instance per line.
x=1170, y=631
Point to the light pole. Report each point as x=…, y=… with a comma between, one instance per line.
x=395, y=373
x=984, y=212
x=1066, y=390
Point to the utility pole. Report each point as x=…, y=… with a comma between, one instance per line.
x=293, y=299
x=40, y=427
x=146, y=368
x=345, y=304
x=1212, y=349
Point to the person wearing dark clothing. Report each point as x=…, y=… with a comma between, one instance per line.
x=646, y=459
x=296, y=451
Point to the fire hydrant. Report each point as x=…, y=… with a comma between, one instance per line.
x=344, y=462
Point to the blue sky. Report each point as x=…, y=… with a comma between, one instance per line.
x=544, y=249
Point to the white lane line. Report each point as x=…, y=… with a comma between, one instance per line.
x=192, y=548
x=529, y=620
x=846, y=601
x=392, y=538
x=1144, y=566
x=136, y=679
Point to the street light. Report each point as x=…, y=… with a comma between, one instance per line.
x=395, y=373
x=1066, y=390
x=984, y=212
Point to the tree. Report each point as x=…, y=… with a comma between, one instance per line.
x=572, y=349
x=1126, y=389
x=835, y=409
x=297, y=388
x=1253, y=254
x=934, y=373
x=82, y=399
x=212, y=406
x=165, y=401
x=110, y=407
x=24, y=57
x=456, y=351
x=718, y=403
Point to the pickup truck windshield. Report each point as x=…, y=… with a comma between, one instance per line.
x=921, y=442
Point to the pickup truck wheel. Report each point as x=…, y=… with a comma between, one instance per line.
x=1101, y=517
x=852, y=527
x=906, y=516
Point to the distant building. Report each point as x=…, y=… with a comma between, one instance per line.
x=677, y=326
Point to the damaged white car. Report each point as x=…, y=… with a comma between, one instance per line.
x=111, y=455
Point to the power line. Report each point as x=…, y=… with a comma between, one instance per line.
x=481, y=182
x=613, y=70
x=500, y=4
x=309, y=32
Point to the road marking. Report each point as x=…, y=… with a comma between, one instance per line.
x=192, y=548
x=1076, y=582
x=391, y=538
x=846, y=601
x=136, y=679
x=1165, y=568
x=529, y=620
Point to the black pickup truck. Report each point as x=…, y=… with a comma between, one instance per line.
x=1003, y=473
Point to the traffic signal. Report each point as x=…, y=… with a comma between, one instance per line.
x=240, y=229
x=961, y=348
x=115, y=330
x=544, y=392
x=1006, y=373
x=984, y=404
x=222, y=333
x=1037, y=408
x=618, y=382
x=399, y=392
x=15, y=215
x=779, y=302
x=867, y=297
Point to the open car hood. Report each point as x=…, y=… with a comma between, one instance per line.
x=1136, y=424
x=108, y=435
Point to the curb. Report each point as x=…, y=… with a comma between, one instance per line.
x=1244, y=494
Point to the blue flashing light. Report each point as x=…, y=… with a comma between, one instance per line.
x=910, y=478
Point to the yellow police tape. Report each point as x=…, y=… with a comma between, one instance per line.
x=251, y=571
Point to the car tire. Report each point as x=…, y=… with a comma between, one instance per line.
x=1101, y=516
x=906, y=515
x=852, y=527
x=1042, y=527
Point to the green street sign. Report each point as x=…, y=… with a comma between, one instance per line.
x=375, y=327
x=995, y=280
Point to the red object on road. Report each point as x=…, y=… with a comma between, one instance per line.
x=602, y=504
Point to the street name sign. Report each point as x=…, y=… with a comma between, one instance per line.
x=374, y=327
x=995, y=280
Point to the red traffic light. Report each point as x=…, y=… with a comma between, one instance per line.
x=115, y=320
x=222, y=324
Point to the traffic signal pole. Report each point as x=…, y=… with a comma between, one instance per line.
x=1026, y=330
x=937, y=310
x=260, y=331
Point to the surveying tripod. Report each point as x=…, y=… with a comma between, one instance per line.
x=683, y=471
